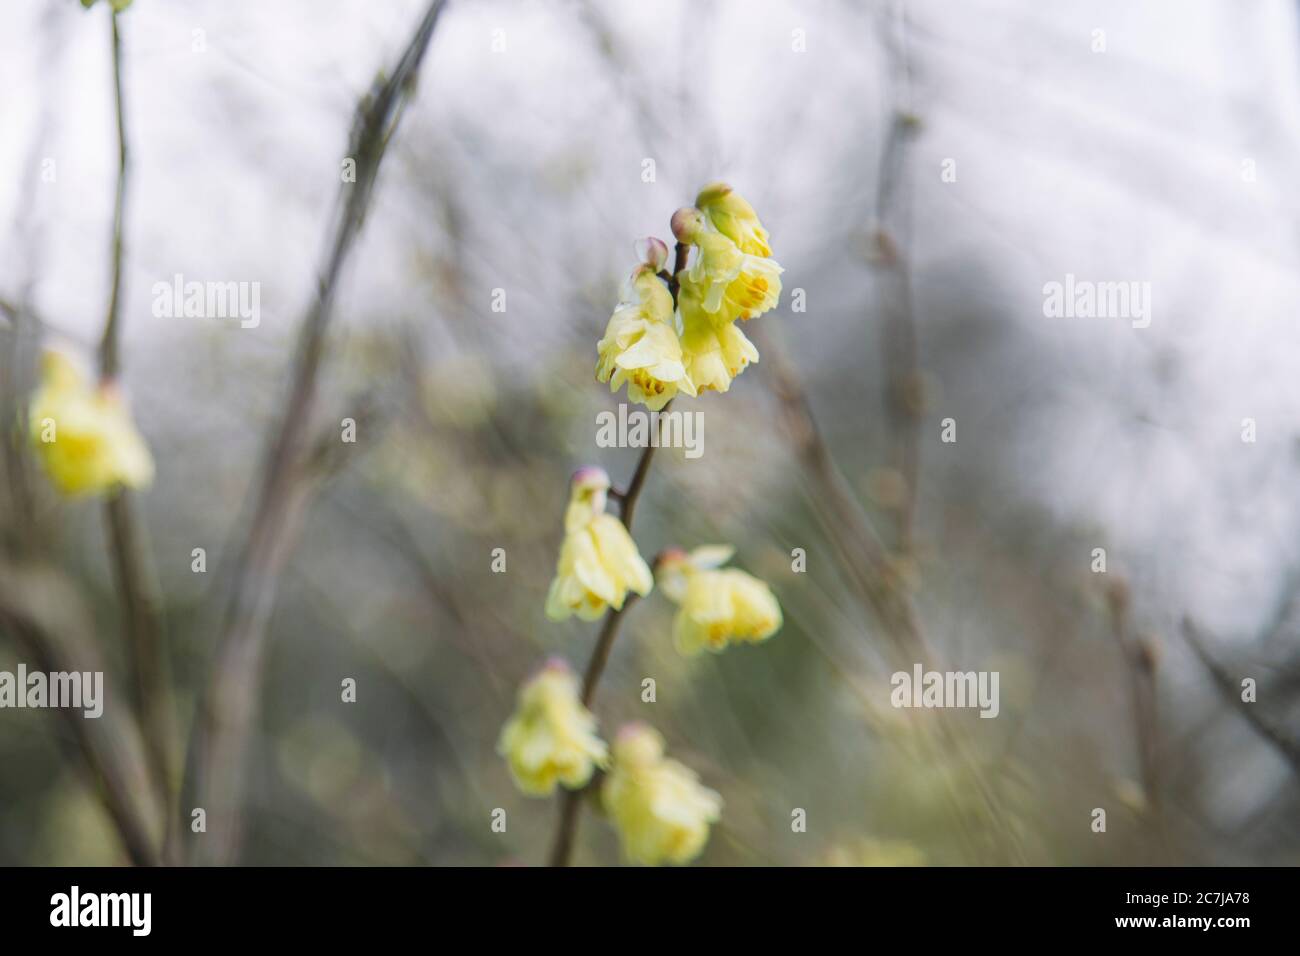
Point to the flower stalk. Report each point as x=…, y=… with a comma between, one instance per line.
x=672, y=333
x=132, y=563
x=571, y=800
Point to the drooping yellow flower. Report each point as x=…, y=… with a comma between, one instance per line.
x=660, y=809
x=717, y=264
x=717, y=606
x=83, y=434
x=551, y=737
x=641, y=348
x=731, y=284
x=732, y=216
x=755, y=290
x=599, y=562
x=712, y=353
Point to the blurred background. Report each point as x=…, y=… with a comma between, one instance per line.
x=924, y=170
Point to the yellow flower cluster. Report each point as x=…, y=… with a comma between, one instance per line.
x=717, y=606
x=599, y=562
x=82, y=434
x=659, y=344
x=659, y=352
x=660, y=809
x=551, y=738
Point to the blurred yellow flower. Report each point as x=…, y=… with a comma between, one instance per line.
x=641, y=348
x=866, y=851
x=732, y=216
x=660, y=809
x=599, y=562
x=713, y=354
x=716, y=606
x=82, y=434
x=551, y=737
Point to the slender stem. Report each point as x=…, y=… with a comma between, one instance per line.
x=679, y=263
x=109, y=361
x=103, y=772
x=216, y=769
x=1139, y=661
x=132, y=563
x=1273, y=732
x=571, y=800
x=50, y=622
x=904, y=398
x=627, y=500
x=868, y=563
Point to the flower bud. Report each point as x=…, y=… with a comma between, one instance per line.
x=712, y=192
x=588, y=492
x=687, y=223
x=653, y=252
x=590, y=478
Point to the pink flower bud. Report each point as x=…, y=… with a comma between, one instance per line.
x=556, y=663
x=653, y=252
x=687, y=223
x=591, y=477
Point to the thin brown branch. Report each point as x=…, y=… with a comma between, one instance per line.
x=904, y=394
x=132, y=564
x=217, y=758
x=873, y=574
x=46, y=617
x=680, y=254
x=1287, y=746
x=109, y=348
x=571, y=800
x=1140, y=662
x=141, y=599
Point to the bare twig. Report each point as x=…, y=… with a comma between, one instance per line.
x=680, y=254
x=1140, y=662
x=45, y=615
x=571, y=800
x=875, y=573
x=132, y=564
x=1287, y=746
x=870, y=569
x=109, y=349
x=216, y=768
x=25, y=535
x=904, y=398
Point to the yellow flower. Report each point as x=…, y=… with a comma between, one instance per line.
x=717, y=264
x=734, y=218
x=84, y=435
x=716, y=606
x=551, y=737
x=755, y=290
x=641, y=348
x=660, y=809
x=599, y=562
x=731, y=284
x=712, y=353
